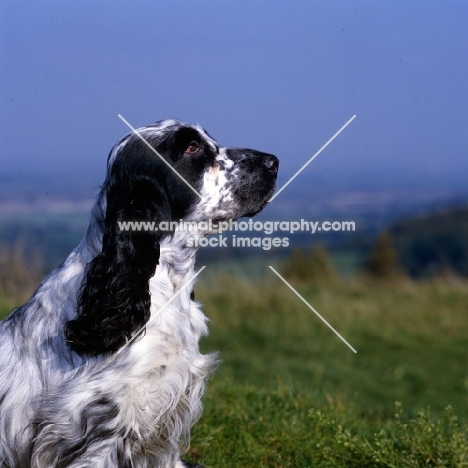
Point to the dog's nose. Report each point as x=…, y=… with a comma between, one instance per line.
x=271, y=162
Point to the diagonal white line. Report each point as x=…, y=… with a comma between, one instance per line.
x=312, y=158
x=312, y=309
x=161, y=309
x=156, y=153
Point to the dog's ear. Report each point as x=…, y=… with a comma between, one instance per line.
x=114, y=300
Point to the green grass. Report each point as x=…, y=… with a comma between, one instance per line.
x=254, y=427
x=411, y=341
x=289, y=393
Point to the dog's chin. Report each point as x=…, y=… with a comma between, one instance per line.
x=261, y=206
x=255, y=212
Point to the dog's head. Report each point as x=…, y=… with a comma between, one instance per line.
x=169, y=171
x=200, y=179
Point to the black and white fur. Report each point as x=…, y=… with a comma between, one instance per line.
x=72, y=392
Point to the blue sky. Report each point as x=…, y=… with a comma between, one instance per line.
x=279, y=76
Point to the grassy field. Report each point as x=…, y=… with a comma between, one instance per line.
x=289, y=393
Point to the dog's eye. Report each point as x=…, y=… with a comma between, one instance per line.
x=193, y=148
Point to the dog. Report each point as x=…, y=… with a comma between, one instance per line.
x=101, y=368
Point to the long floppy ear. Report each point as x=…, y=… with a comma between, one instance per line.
x=114, y=301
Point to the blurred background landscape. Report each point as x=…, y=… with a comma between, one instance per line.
x=280, y=77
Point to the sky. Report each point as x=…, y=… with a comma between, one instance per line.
x=279, y=76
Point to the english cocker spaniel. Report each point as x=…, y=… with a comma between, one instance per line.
x=101, y=368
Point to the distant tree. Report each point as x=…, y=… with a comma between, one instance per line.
x=312, y=265
x=382, y=262
x=434, y=244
